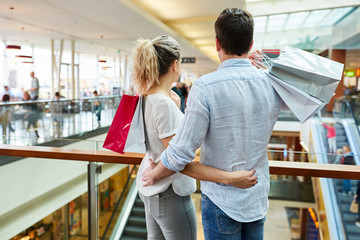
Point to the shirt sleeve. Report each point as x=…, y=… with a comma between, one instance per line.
x=191, y=133
x=167, y=119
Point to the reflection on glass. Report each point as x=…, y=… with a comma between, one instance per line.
x=44, y=120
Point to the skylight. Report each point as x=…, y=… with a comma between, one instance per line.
x=315, y=18
x=276, y=22
x=307, y=23
x=295, y=20
x=335, y=15
x=260, y=24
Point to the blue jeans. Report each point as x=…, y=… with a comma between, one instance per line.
x=346, y=185
x=217, y=225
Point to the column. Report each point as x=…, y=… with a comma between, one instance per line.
x=337, y=55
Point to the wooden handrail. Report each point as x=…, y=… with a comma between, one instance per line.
x=71, y=154
x=276, y=167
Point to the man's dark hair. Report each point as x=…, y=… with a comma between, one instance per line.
x=234, y=29
x=57, y=94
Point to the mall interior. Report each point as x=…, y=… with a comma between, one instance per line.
x=58, y=182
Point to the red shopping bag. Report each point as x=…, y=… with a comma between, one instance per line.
x=126, y=133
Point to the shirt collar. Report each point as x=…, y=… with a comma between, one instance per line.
x=235, y=62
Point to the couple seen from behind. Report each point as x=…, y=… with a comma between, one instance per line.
x=230, y=115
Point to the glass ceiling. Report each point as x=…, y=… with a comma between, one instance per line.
x=298, y=21
x=301, y=20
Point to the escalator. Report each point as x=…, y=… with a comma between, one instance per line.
x=348, y=218
x=343, y=199
x=135, y=228
x=128, y=218
x=336, y=220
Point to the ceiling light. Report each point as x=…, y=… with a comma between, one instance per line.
x=23, y=56
x=13, y=47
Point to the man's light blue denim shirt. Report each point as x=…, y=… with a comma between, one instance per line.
x=231, y=113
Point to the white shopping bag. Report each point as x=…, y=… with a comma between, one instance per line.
x=135, y=141
x=313, y=74
x=299, y=102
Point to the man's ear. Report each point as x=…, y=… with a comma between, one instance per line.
x=252, y=43
x=218, y=46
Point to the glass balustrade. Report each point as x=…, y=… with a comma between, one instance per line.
x=62, y=118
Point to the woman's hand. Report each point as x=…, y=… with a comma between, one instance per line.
x=175, y=98
x=148, y=175
x=242, y=179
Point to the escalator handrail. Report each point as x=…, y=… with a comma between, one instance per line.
x=118, y=203
x=328, y=191
x=348, y=106
x=353, y=115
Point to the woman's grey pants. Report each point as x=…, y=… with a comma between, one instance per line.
x=170, y=216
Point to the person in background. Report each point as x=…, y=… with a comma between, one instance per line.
x=230, y=113
x=347, y=91
x=184, y=95
x=339, y=155
x=32, y=115
x=34, y=88
x=347, y=159
x=8, y=92
x=6, y=113
x=130, y=91
x=97, y=106
x=177, y=89
x=331, y=136
x=58, y=109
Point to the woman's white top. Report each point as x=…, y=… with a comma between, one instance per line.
x=161, y=119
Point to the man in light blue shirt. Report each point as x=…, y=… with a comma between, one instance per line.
x=34, y=88
x=230, y=113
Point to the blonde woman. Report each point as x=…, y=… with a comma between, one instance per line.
x=169, y=209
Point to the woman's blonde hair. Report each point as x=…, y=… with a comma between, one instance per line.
x=152, y=59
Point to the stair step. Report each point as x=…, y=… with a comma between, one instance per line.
x=340, y=138
x=139, y=202
x=137, y=221
x=132, y=238
x=135, y=231
x=349, y=218
x=138, y=211
x=345, y=208
x=353, y=229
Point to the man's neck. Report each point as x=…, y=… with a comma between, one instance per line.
x=225, y=57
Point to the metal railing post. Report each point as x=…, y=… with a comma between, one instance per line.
x=93, y=170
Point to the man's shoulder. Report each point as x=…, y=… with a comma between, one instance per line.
x=224, y=74
x=208, y=78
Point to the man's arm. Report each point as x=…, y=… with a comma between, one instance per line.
x=240, y=179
